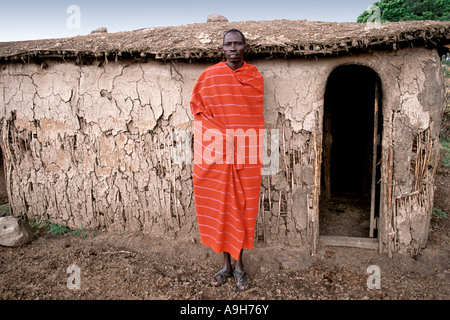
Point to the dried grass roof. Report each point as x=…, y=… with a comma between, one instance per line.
x=202, y=41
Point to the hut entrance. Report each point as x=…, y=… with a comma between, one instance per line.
x=350, y=159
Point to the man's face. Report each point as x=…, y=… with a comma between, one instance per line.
x=234, y=47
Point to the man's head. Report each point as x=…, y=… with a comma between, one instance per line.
x=234, y=47
x=234, y=31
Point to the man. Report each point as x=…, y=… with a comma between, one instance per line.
x=228, y=108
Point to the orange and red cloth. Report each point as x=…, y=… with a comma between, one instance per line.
x=228, y=110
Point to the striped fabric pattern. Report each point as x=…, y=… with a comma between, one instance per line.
x=228, y=110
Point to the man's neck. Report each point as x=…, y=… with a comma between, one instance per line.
x=234, y=66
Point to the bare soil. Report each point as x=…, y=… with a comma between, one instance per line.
x=344, y=216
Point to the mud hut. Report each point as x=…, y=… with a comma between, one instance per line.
x=95, y=129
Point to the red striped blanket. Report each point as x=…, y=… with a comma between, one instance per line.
x=228, y=109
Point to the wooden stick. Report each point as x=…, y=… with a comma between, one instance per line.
x=422, y=162
x=293, y=169
x=263, y=218
x=158, y=147
x=284, y=154
x=416, y=173
x=172, y=175
x=391, y=209
x=270, y=196
x=279, y=209
x=315, y=222
x=169, y=206
x=293, y=184
x=374, y=165
x=430, y=151
x=258, y=217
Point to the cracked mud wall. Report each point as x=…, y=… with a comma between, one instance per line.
x=413, y=109
x=293, y=109
x=93, y=146
x=412, y=103
x=90, y=146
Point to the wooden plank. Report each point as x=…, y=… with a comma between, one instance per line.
x=374, y=163
x=354, y=242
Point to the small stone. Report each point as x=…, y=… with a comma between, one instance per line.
x=287, y=264
x=216, y=18
x=13, y=233
x=100, y=30
x=441, y=276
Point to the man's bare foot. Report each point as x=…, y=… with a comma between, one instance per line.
x=221, y=277
x=242, y=280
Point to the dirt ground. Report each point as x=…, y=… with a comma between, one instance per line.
x=344, y=216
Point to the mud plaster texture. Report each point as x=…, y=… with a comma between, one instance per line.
x=93, y=145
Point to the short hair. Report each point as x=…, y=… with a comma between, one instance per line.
x=234, y=30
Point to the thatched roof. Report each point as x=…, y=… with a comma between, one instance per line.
x=202, y=41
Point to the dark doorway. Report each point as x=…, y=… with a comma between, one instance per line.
x=350, y=155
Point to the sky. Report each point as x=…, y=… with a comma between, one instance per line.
x=30, y=20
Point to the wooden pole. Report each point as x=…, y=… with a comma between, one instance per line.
x=317, y=161
x=374, y=164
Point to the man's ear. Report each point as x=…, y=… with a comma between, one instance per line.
x=223, y=54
